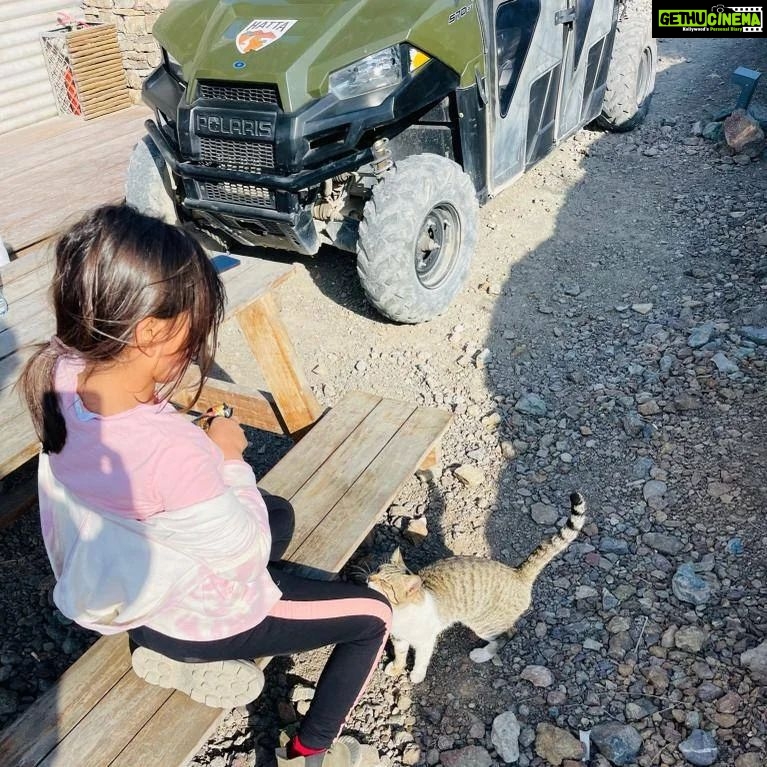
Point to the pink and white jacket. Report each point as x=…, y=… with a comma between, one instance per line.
x=145, y=523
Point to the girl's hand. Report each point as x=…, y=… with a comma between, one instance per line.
x=229, y=436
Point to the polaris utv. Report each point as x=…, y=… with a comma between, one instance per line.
x=377, y=127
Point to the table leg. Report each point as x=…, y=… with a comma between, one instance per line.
x=271, y=346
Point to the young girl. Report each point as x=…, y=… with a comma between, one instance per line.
x=155, y=526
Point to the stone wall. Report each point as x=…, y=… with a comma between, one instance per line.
x=134, y=20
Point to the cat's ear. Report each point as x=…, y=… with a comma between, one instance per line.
x=396, y=558
x=412, y=585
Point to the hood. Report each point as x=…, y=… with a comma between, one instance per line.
x=307, y=39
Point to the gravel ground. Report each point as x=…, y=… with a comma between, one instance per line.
x=612, y=338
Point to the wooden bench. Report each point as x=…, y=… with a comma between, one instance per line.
x=341, y=475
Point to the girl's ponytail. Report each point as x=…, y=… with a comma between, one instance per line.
x=36, y=385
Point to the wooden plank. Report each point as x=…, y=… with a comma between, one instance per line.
x=327, y=435
x=172, y=736
x=271, y=346
x=325, y=488
x=19, y=443
x=65, y=175
x=352, y=517
x=251, y=279
x=251, y=407
x=131, y=702
x=77, y=139
x=37, y=731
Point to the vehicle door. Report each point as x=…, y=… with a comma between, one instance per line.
x=525, y=50
x=587, y=26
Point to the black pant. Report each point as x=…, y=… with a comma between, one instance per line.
x=310, y=614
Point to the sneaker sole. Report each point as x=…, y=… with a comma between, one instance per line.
x=219, y=684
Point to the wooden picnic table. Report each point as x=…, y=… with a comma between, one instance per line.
x=289, y=405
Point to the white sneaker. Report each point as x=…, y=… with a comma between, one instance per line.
x=218, y=684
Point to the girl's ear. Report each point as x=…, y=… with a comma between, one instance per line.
x=145, y=334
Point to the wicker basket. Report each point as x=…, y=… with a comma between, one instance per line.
x=86, y=70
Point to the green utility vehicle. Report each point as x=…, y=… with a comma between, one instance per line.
x=377, y=127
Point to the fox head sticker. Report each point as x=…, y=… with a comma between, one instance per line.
x=262, y=32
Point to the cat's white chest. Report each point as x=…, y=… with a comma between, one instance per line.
x=414, y=622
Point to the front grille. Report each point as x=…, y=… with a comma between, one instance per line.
x=255, y=94
x=245, y=155
x=241, y=194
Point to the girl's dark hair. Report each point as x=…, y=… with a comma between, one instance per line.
x=114, y=268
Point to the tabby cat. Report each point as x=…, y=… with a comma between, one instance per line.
x=483, y=594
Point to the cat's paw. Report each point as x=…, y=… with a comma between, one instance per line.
x=481, y=655
x=393, y=669
x=416, y=677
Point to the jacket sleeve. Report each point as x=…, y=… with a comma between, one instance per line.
x=228, y=534
x=225, y=527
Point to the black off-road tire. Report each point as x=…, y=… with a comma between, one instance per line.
x=394, y=270
x=148, y=185
x=631, y=77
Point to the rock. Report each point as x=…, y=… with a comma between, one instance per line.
x=544, y=514
x=301, y=692
x=416, y=530
x=620, y=743
x=483, y=358
x=610, y=545
x=688, y=586
x=709, y=691
x=586, y=592
x=700, y=335
x=755, y=660
x=531, y=404
x=699, y=749
x=666, y=544
x=750, y=759
x=571, y=289
x=642, y=308
x=411, y=754
x=723, y=364
x=742, y=132
x=470, y=756
x=686, y=401
x=657, y=677
x=639, y=709
x=757, y=335
x=653, y=488
x=505, y=736
x=650, y=407
x=539, y=676
x=469, y=475
x=712, y=131
x=690, y=639
x=555, y=745
x=731, y=703
x=508, y=450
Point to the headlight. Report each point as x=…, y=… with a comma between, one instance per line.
x=379, y=70
x=174, y=67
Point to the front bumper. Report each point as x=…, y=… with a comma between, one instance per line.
x=239, y=159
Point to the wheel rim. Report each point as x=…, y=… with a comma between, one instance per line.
x=644, y=75
x=437, y=245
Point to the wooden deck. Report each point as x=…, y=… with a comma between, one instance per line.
x=60, y=168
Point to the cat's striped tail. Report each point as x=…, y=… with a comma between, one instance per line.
x=533, y=565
